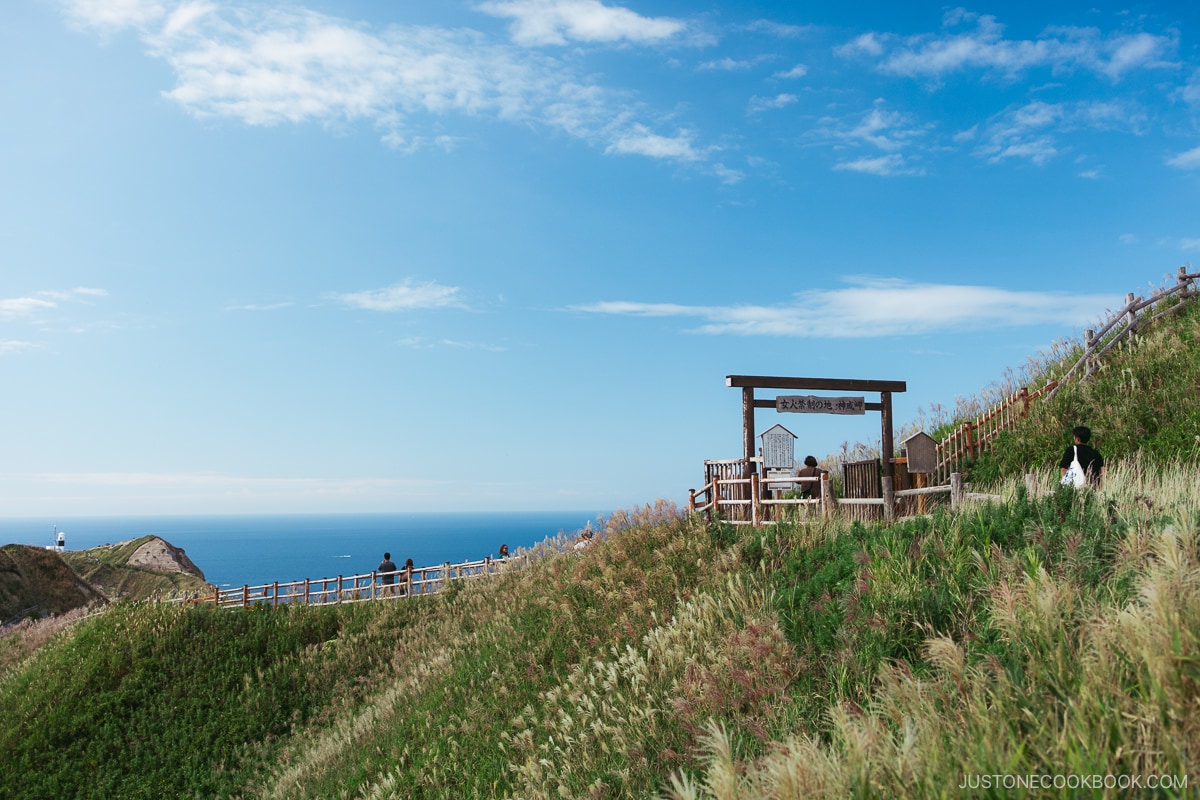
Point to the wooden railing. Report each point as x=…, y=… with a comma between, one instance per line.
x=751, y=506
x=356, y=588
x=726, y=487
x=971, y=438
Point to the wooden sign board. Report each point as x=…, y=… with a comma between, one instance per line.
x=779, y=448
x=811, y=404
x=921, y=450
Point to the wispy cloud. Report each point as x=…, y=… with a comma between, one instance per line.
x=405, y=296
x=1032, y=131
x=641, y=141
x=426, y=343
x=1186, y=160
x=892, y=164
x=259, y=306
x=977, y=42
x=556, y=22
x=796, y=72
x=270, y=66
x=875, y=307
x=1189, y=244
x=732, y=64
x=10, y=346
x=760, y=104
x=48, y=300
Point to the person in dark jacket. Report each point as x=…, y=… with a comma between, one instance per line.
x=1089, y=458
x=387, y=573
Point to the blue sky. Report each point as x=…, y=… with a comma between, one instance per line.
x=501, y=254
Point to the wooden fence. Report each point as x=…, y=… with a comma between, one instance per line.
x=971, y=438
x=751, y=506
x=728, y=494
x=356, y=588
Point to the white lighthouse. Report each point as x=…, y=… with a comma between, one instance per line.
x=60, y=541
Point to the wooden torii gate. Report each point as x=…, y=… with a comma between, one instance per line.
x=819, y=405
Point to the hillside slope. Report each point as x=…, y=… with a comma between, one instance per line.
x=36, y=581
x=1050, y=634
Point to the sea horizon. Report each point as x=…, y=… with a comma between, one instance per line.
x=252, y=549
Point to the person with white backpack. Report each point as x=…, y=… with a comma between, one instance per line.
x=1081, y=464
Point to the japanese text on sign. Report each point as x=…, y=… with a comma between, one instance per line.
x=810, y=404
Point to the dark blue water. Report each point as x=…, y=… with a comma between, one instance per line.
x=238, y=550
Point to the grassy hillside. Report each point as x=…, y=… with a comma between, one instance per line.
x=1142, y=399
x=1050, y=634
x=35, y=582
x=112, y=569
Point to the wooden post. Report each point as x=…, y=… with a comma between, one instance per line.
x=275, y=595
x=1024, y=401
x=1089, y=343
x=748, y=430
x=1185, y=282
x=216, y=596
x=969, y=430
x=714, y=499
x=306, y=595
x=1130, y=316
x=691, y=501
x=408, y=579
x=956, y=490
x=446, y=575
x=755, y=506
x=889, y=492
x=920, y=498
x=339, y=589
x=245, y=595
x=827, y=504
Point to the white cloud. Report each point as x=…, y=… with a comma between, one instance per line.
x=113, y=15
x=732, y=64
x=1189, y=244
x=887, y=130
x=9, y=346
x=892, y=164
x=779, y=29
x=877, y=307
x=983, y=46
x=13, y=307
x=798, y=71
x=260, y=306
x=24, y=306
x=867, y=44
x=1186, y=160
x=424, y=343
x=270, y=66
x=640, y=141
x=1031, y=131
x=555, y=22
x=758, y=104
x=404, y=296
x=1127, y=238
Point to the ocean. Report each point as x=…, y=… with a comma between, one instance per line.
x=256, y=549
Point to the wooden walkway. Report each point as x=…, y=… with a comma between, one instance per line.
x=418, y=582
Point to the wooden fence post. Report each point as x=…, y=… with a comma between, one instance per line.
x=1089, y=344
x=691, y=501
x=245, y=595
x=306, y=595
x=339, y=589
x=275, y=595
x=969, y=430
x=827, y=504
x=714, y=500
x=956, y=490
x=755, y=507
x=1131, y=315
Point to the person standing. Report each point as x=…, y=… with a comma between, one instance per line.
x=810, y=490
x=387, y=573
x=1089, y=458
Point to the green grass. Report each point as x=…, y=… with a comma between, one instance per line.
x=1055, y=632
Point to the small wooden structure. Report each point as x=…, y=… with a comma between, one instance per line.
x=819, y=405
